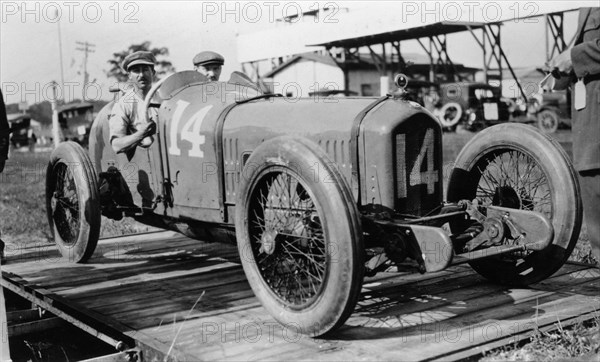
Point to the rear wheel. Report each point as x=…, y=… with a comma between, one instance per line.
x=517, y=166
x=299, y=236
x=72, y=202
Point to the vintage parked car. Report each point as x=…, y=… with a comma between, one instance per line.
x=22, y=131
x=551, y=110
x=318, y=195
x=75, y=122
x=476, y=105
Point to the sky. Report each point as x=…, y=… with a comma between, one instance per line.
x=29, y=35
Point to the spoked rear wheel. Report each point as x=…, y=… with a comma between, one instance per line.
x=72, y=202
x=516, y=166
x=299, y=236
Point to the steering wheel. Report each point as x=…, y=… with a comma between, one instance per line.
x=169, y=84
x=147, y=141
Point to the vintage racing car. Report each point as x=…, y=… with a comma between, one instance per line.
x=319, y=193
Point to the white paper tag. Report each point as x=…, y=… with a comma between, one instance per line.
x=579, y=95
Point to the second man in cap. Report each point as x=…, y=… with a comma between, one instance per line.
x=210, y=64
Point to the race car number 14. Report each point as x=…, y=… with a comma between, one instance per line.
x=190, y=132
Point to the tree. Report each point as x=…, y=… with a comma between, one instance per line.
x=41, y=112
x=163, y=67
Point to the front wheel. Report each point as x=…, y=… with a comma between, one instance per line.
x=72, y=202
x=517, y=166
x=299, y=236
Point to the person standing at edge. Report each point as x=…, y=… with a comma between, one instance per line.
x=127, y=126
x=209, y=64
x=581, y=64
x=4, y=144
x=4, y=133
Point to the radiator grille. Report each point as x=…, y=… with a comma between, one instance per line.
x=418, y=171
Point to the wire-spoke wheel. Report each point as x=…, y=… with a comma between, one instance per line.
x=517, y=166
x=72, y=202
x=512, y=178
x=299, y=236
x=288, y=243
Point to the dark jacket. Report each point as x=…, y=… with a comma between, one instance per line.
x=585, y=56
x=3, y=133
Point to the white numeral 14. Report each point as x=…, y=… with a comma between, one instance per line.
x=190, y=131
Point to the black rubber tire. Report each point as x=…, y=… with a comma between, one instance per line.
x=547, y=121
x=563, y=199
x=76, y=227
x=340, y=260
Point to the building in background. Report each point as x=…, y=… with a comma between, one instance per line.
x=315, y=73
x=364, y=41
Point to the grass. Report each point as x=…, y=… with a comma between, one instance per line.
x=23, y=220
x=580, y=342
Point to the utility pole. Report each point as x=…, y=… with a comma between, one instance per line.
x=62, y=72
x=55, y=125
x=86, y=48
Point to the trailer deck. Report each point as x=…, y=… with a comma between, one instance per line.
x=165, y=296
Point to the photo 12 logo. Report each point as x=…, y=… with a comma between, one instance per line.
x=33, y=93
x=271, y=11
x=471, y=11
x=69, y=11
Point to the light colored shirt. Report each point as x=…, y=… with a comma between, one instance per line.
x=127, y=113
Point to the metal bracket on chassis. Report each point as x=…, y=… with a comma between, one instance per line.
x=435, y=246
x=497, y=230
x=430, y=246
x=520, y=230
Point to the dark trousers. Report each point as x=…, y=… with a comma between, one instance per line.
x=590, y=193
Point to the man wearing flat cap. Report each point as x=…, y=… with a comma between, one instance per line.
x=209, y=64
x=127, y=126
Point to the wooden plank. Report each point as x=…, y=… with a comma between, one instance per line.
x=107, y=297
x=115, y=357
x=96, y=271
x=148, y=294
x=24, y=315
x=88, y=320
x=17, y=330
x=520, y=296
x=4, y=345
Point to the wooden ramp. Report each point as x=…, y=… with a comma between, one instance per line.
x=170, y=295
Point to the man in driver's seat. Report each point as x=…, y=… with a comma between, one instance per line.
x=127, y=126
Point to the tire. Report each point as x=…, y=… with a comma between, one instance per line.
x=450, y=114
x=284, y=203
x=547, y=121
x=72, y=202
x=523, y=158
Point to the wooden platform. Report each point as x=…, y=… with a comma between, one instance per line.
x=189, y=300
